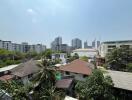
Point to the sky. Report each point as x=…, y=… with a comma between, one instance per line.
x=40, y=21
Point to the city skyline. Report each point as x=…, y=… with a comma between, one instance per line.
x=41, y=21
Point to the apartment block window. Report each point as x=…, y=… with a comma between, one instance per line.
x=111, y=46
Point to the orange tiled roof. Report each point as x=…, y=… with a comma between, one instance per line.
x=78, y=66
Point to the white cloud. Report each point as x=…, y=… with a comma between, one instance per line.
x=31, y=11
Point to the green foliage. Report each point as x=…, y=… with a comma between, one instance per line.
x=84, y=58
x=74, y=57
x=95, y=87
x=47, y=53
x=16, y=89
x=129, y=67
x=118, y=58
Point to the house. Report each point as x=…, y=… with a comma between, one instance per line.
x=61, y=56
x=66, y=85
x=25, y=71
x=77, y=68
x=7, y=70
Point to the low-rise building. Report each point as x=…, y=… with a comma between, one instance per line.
x=77, y=68
x=25, y=71
x=61, y=56
x=90, y=53
x=107, y=46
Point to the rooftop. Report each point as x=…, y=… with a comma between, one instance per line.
x=123, y=41
x=64, y=83
x=8, y=68
x=121, y=80
x=85, y=50
x=6, y=77
x=78, y=66
x=26, y=68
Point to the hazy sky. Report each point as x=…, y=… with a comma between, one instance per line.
x=40, y=21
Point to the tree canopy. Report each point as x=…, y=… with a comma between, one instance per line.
x=95, y=87
x=119, y=58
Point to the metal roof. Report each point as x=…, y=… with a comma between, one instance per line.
x=8, y=68
x=122, y=80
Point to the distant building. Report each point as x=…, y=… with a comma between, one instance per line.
x=24, y=47
x=98, y=44
x=106, y=47
x=7, y=45
x=90, y=53
x=16, y=47
x=94, y=44
x=38, y=48
x=85, y=44
x=1, y=44
x=76, y=43
x=56, y=44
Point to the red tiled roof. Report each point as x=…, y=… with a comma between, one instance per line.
x=6, y=77
x=64, y=83
x=78, y=66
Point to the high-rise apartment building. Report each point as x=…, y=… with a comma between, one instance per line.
x=76, y=43
x=85, y=44
x=24, y=47
x=94, y=44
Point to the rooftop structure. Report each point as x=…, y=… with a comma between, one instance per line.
x=7, y=68
x=122, y=80
x=26, y=69
x=78, y=66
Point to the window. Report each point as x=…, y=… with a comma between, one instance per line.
x=111, y=46
x=67, y=73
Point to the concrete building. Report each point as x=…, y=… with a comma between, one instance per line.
x=98, y=44
x=90, y=53
x=1, y=44
x=16, y=47
x=61, y=56
x=56, y=44
x=76, y=43
x=94, y=44
x=85, y=44
x=7, y=45
x=106, y=47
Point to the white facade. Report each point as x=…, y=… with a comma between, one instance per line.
x=91, y=53
x=1, y=44
x=106, y=47
x=61, y=56
x=7, y=45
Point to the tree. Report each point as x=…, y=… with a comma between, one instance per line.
x=74, y=57
x=95, y=87
x=84, y=58
x=47, y=53
x=45, y=90
x=118, y=58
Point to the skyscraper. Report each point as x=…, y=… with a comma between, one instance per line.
x=85, y=44
x=98, y=44
x=93, y=44
x=76, y=43
x=56, y=44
